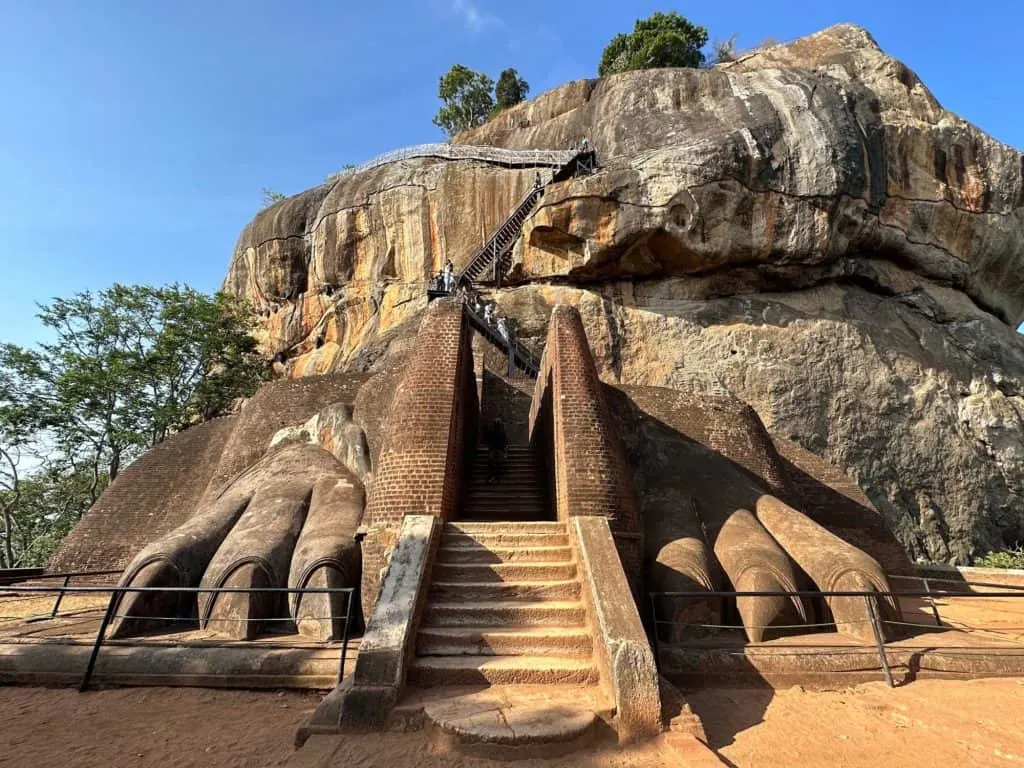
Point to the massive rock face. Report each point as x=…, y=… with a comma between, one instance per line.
x=805, y=228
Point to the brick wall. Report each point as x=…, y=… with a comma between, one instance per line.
x=152, y=496
x=590, y=471
x=428, y=433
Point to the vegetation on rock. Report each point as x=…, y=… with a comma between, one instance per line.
x=510, y=90
x=467, y=97
x=1010, y=558
x=472, y=98
x=269, y=197
x=661, y=40
x=126, y=367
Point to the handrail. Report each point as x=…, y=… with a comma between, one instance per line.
x=117, y=593
x=553, y=158
x=869, y=596
x=487, y=252
x=524, y=357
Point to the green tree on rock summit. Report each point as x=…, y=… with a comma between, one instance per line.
x=467, y=100
x=662, y=40
x=511, y=89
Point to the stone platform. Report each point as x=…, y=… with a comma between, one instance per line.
x=506, y=722
x=55, y=652
x=831, y=659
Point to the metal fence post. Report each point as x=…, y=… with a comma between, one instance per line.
x=935, y=608
x=878, y=641
x=60, y=597
x=115, y=598
x=654, y=633
x=345, y=634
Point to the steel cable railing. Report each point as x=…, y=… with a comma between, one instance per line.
x=874, y=619
x=117, y=593
x=552, y=158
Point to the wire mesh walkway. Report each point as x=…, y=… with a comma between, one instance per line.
x=510, y=158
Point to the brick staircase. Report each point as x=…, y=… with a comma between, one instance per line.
x=518, y=495
x=505, y=607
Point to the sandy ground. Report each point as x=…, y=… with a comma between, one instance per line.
x=149, y=727
x=186, y=727
x=928, y=723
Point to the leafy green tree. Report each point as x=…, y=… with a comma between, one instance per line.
x=467, y=100
x=662, y=40
x=127, y=366
x=510, y=90
x=40, y=512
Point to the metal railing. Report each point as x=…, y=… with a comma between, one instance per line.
x=876, y=621
x=8, y=579
x=510, y=158
x=118, y=592
x=501, y=240
x=522, y=357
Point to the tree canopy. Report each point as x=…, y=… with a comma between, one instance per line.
x=125, y=368
x=466, y=97
x=661, y=40
x=511, y=89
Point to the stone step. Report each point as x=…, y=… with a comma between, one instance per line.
x=506, y=488
x=498, y=572
x=538, y=508
x=502, y=539
x=546, y=526
x=529, y=591
x=428, y=671
x=573, y=642
x=559, y=613
x=480, y=554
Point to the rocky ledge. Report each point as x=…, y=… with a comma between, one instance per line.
x=806, y=228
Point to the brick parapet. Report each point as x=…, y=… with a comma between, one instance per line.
x=418, y=467
x=429, y=429
x=590, y=469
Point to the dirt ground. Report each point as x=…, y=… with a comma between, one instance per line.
x=187, y=727
x=927, y=723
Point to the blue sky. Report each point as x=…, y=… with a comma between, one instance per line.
x=137, y=134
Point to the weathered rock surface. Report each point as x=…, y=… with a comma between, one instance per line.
x=806, y=228
x=812, y=230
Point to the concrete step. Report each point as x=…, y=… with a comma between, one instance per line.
x=571, y=642
x=528, y=591
x=558, y=613
x=499, y=572
x=480, y=554
x=429, y=671
x=502, y=539
x=525, y=527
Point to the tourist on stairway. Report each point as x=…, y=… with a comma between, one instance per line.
x=537, y=183
x=449, y=276
x=497, y=442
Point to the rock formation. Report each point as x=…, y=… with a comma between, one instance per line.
x=806, y=228
x=286, y=521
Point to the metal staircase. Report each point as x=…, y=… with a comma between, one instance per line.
x=523, y=358
x=495, y=252
x=499, y=244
